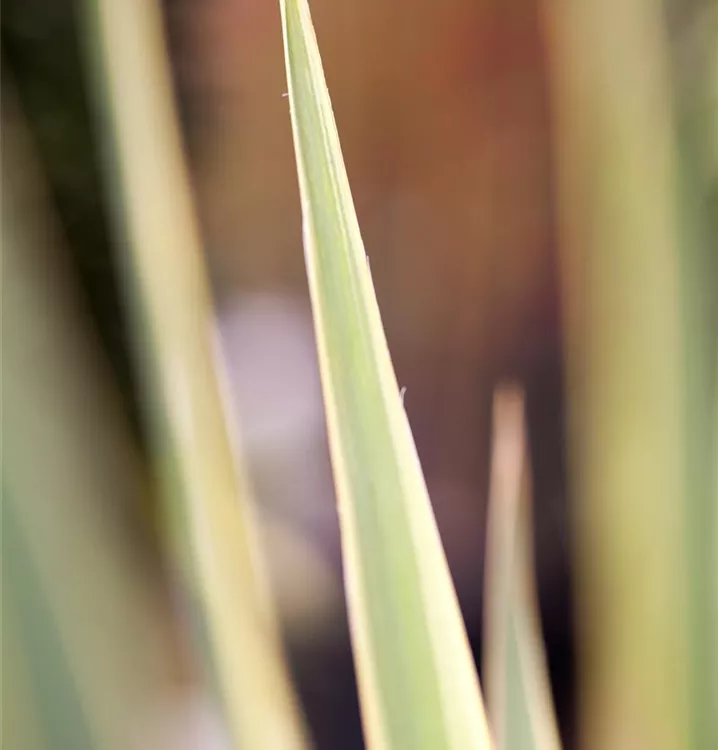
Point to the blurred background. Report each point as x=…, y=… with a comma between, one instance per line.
x=446, y=125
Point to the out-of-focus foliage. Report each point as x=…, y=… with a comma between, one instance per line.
x=41, y=49
x=85, y=662
x=694, y=56
x=641, y=332
x=208, y=508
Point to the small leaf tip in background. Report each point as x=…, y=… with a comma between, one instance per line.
x=518, y=690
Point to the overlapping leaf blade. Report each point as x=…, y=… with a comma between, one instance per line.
x=208, y=503
x=84, y=660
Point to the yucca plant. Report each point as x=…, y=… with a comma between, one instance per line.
x=417, y=680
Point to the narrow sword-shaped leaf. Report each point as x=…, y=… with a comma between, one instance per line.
x=694, y=47
x=208, y=503
x=84, y=662
x=518, y=691
x=616, y=177
x=417, y=679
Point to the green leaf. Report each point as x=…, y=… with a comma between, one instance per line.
x=620, y=273
x=84, y=652
x=208, y=501
x=417, y=679
x=695, y=57
x=516, y=676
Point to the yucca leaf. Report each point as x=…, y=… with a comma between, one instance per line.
x=207, y=499
x=21, y=723
x=84, y=665
x=715, y=500
x=694, y=46
x=518, y=691
x=616, y=159
x=417, y=679
x=699, y=272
